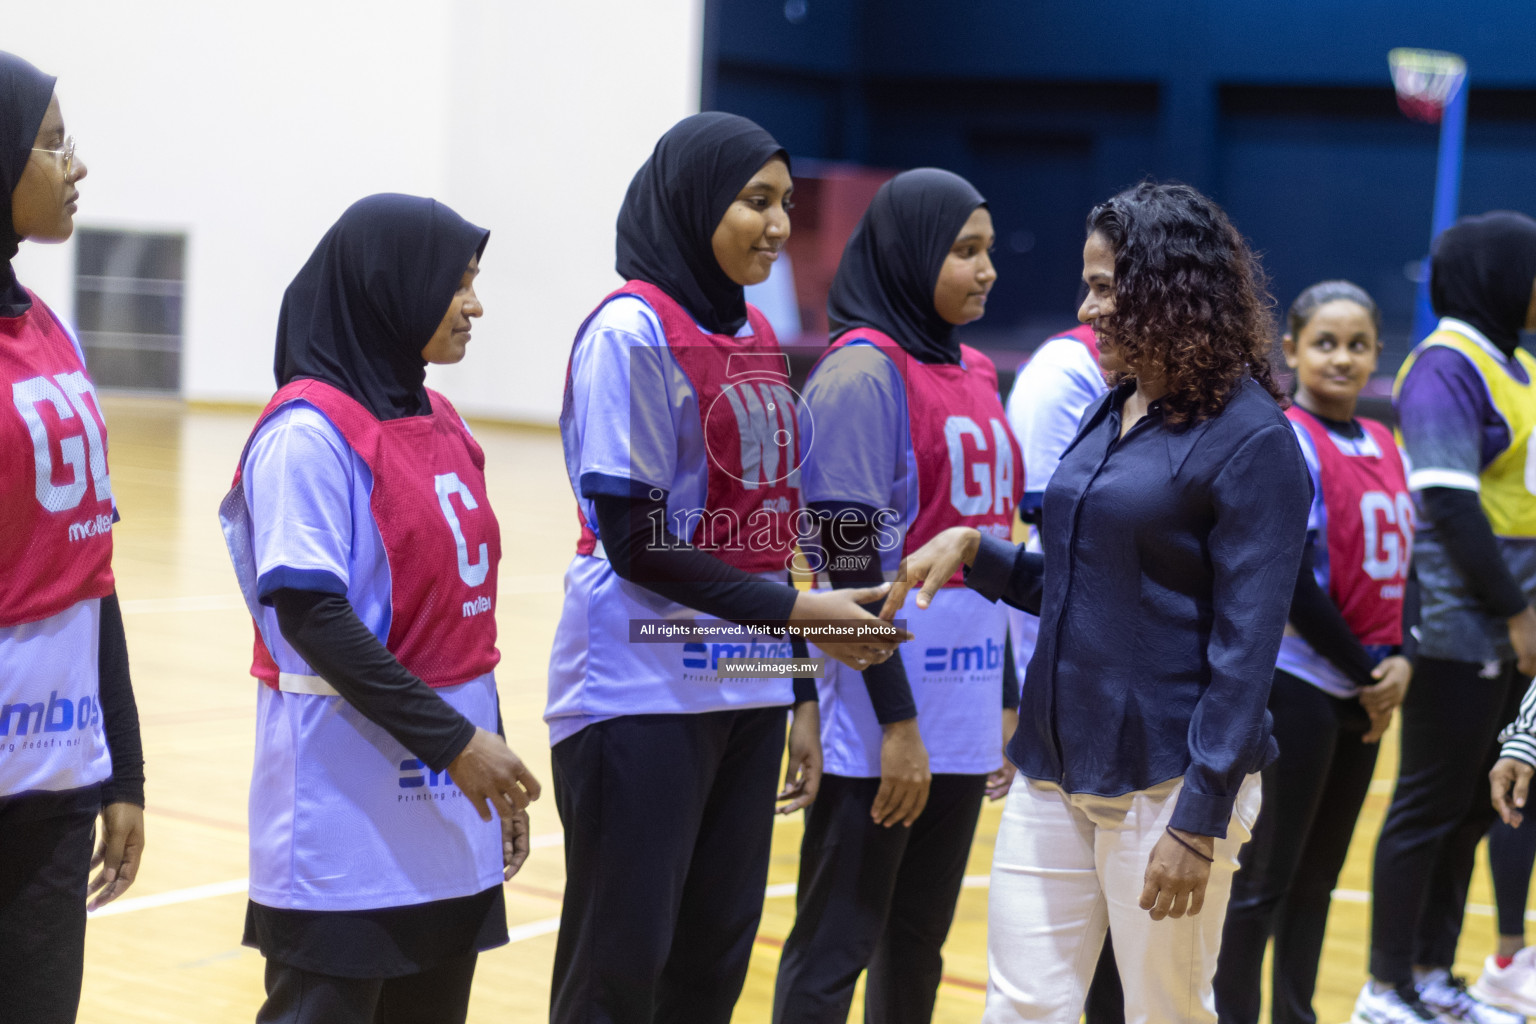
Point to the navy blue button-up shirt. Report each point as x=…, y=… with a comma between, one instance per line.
x=1170, y=556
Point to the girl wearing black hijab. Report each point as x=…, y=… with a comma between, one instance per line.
x=1466, y=407
x=679, y=430
x=923, y=444
x=69, y=728
x=366, y=549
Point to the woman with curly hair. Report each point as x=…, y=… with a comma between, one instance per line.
x=1172, y=531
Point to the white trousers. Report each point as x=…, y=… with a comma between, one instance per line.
x=1066, y=867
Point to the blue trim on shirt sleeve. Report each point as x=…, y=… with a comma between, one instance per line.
x=283, y=577
x=594, y=484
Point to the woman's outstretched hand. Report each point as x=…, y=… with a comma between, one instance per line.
x=931, y=565
x=819, y=607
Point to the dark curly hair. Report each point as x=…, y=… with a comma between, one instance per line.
x=1191, y=302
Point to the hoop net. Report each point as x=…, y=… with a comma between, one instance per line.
x=1425, y=81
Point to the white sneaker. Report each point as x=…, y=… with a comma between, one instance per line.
x=1512, y=987
x=1392, y=1006
x=1447, y=995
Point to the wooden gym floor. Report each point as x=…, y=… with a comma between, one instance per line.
x=169, y=951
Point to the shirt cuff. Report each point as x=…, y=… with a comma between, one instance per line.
x=594, y=484
x=989, y=574
x=451, y=751
x=1202, y=814
x=1520, y=747
x=285, y=577
x=126, y=790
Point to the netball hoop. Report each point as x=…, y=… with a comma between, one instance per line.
x=1425, y=80
x=1432, y=87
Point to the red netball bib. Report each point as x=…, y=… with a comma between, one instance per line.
x=749, y=415
x=970, y=471
x=440, y=535
x=1370, y=529
x=55, y=492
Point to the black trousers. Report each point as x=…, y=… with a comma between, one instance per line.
x=668, y=821
x=1439, y=812
x=45, y=859
x=438, y=995
x=1105, y=1002
x=1511, y=857
x=1287, y=871
x=877, y=898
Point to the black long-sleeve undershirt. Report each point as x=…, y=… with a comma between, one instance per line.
x=119, y=710
x=1322, y=626
x=848, y=539
x=644, y=551
x=1462, y=528
x=325, y=631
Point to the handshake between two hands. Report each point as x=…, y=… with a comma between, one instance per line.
x=931, y=566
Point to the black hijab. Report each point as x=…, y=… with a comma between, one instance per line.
x=1482, y=271
x=674, y=204
x=370, y=297
x=24, y=95
x=886, y=277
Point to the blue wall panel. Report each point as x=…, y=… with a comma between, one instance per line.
x=1283, y=111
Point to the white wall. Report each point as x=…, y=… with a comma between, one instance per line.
x=252, y=127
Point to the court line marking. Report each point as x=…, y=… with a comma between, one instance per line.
x=549, y=925
x=171, y=898
x=533, y=929
x=193, y=893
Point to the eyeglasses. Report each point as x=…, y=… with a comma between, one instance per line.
x=68, y=153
